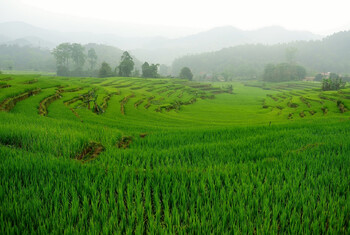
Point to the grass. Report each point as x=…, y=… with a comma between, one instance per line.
x=231, y=163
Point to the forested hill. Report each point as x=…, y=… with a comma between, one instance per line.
x=39, y=59
x=330, y=54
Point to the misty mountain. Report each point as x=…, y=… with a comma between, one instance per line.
x=331, y=54
x=49, y=38
x=153, y=49
x=216, y=39
x=31, y=41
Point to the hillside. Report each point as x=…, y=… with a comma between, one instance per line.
x=27, y=57
x=154, y=49
x=169, y=156
x=248, y=61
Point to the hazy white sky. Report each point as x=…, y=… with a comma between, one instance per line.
x=319, y=16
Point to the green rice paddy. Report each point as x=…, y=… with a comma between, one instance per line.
x=169, y=156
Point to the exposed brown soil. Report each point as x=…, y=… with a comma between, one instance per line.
x=143, y=135
x=341, y=106
x=90, y=152
x=124, y=142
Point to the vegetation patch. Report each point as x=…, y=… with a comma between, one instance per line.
x=136, y=88
x=170, y=93
x=124, y=101
x=104, y=104
x=312, y=112
x=90, y=152
x=143, y=135
x=292, y=105
x=10, y=103
x=162, y=91
x=138, y=103
x=6, y=79
x=4, y=85
x=272, y=97
x=123, y=86
x=211, y=97
x=307, y=147
x=73, y=89
x=73, y=100
x=305, y=101
x=44, y=104
x=342, y=108
x=124, y=142
x=31, y=81
x=327, y=98
x=157, y=102
x=324, y=110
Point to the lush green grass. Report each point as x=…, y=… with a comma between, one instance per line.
x=215, y=162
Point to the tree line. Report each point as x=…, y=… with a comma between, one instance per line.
x=248, y=61
x=71, y=58
x=283, y=72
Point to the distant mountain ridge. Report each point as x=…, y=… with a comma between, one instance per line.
x=331, y=54
x=219, y=38
x=152, y=49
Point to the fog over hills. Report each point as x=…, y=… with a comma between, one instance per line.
x=158, y=49
x=216, y=39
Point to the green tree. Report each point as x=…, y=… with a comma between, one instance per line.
x=283, y=72
x=92, y=58
x=78, y=56
x=333, y=76
x=333, y=84
x=145, y=70
x=62, y=54
x=186, y=73
x=150, y=71
x=319, y=77
x=105, y=71
x=126, y=65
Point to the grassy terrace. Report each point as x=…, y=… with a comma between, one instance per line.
x=172, y=156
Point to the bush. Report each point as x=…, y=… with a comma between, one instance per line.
x=186, y=73
x=332, y=84
x=319, y=77
x=105, y=70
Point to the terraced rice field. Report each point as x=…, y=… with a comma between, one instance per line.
x=168, y=156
